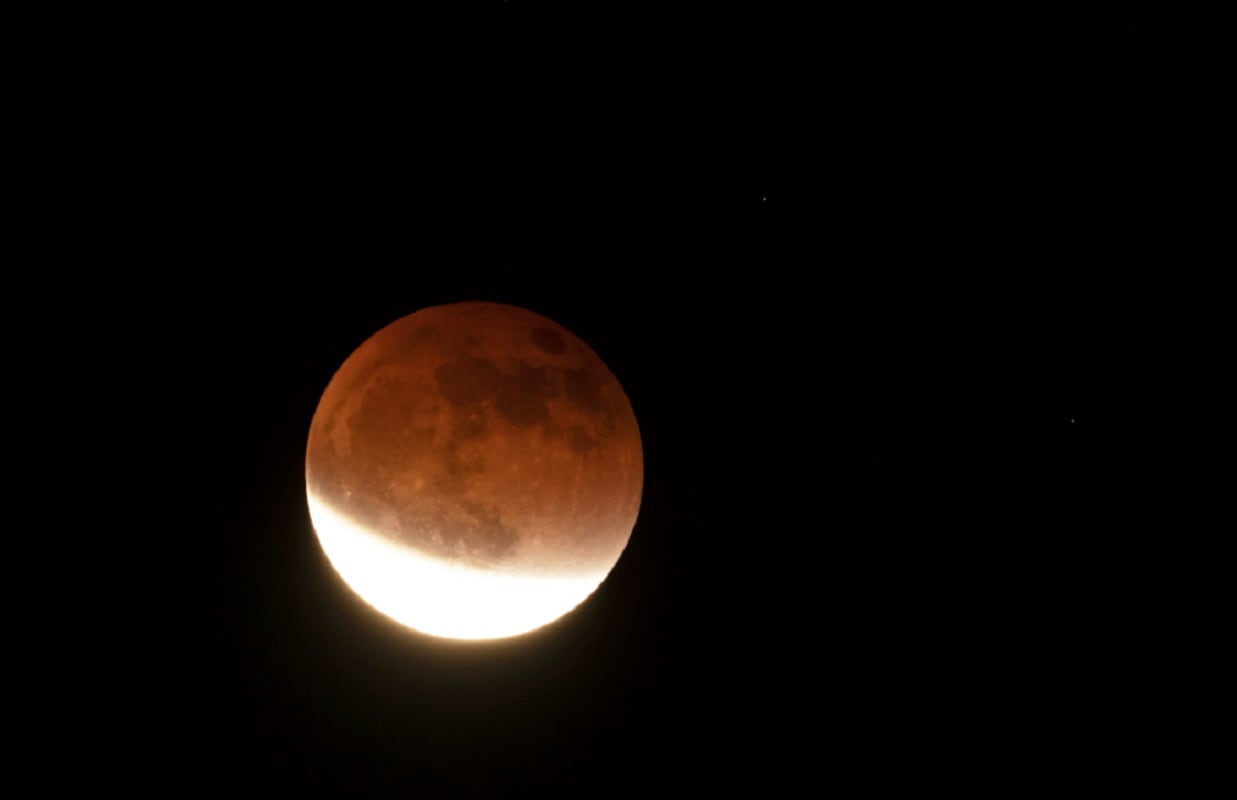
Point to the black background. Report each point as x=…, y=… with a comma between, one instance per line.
x=872, y=283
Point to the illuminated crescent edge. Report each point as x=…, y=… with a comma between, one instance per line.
x=438, y=597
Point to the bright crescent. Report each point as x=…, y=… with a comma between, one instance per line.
x=473, y=471
x=439, y=597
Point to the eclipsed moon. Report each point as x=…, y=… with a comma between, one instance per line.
x=474, y=471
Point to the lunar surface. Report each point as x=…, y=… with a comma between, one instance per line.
x=474, y=470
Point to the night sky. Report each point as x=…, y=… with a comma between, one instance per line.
x=865, y=280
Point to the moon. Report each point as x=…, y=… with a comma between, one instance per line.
x=474, y=471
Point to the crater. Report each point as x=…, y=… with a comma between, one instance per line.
x=467, y=381
x=466, y=531
x=583, y=387
x=549, y=341
x=580, y=440
x=522, y=396
x=468, y=425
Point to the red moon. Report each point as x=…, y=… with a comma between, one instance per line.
x=474, y=470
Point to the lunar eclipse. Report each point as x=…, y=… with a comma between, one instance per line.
x=474, y=471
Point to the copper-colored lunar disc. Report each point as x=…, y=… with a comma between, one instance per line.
x=474, y=470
